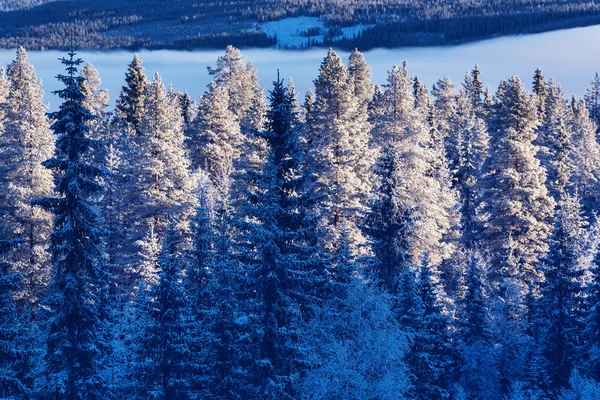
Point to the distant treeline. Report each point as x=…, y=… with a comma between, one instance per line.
x=189, y=24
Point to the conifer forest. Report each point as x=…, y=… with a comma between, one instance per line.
x=357, y=241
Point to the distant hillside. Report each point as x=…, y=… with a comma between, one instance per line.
x=189, y=24
x=8, y=5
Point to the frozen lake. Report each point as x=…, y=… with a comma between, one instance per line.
x=567, y=55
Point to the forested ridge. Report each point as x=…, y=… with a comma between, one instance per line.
x=365, y=242
x=193, y=24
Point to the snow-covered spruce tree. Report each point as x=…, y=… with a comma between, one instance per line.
x=188, y=108
x=96, y=100
x=238, y=78
x=25, y=142
x=508, y=328
x=74, y=340
x=163, y=354
x=419, y=189
x=561, y=293
x=162, y=175
x=130, y=106
x=554, y=139
x=478, y=370
x=514, y=202
x=390, y=223
x=540, y=91
x=472, y=142
x=444, y=108
x=4, y=90
x=356, y=351
x=16, y=355
x=274, y=253
x=432, y=360
x=213, y=138
x=591, y=332
x=246, y=101
x=307, y=107
x=592, y=99
x=339, y=157
x=229, y=348
x=359, y=76
x=586, y=160
x=122, y=194
x=473, y=87
x=199, y=279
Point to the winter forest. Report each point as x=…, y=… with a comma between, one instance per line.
x=366, y=241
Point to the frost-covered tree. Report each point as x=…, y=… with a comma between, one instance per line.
x=16, y=357
x=163, y=356
x=162, y=175
x=419, y=188
x=359, y=76
x=478, y=369
x=25, y=142
x=130, y=106
x=444, y=107
x=390, y=223
x=239, y=79
x=355, y=351
x=591, y=333
x=473, y=87
x=514, y=202
x=592, y=99
x=580, y=387
x=472, y=142
x=188, y=108
x=554, y=139
x=96, y=98
x=275, y=253
x=339, y=156
x=74, y=341
x=561, y=291
x=586, y=159
x=540, y=90
x=214, y=137
x=431, y=360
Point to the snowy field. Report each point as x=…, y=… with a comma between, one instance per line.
x=292, y=32
x=565, y=55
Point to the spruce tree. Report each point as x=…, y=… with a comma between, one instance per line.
x=162, y=175
x=359, y=76
x=515, y=205
x=554, y=138
x=586, y=159
x=422, y=187
x=130, y=106
x=472, y=148
x=432, y=366
x=25, y=142
x=73, y=342
x=478, y=371
x=163, y=352
x=561, y=293
x=591, y=333
x=390, y=223
x=339, y=156
x=214, y=137
x=540, y=90
x=592, y=99
x=16, y=366
x=277, y=240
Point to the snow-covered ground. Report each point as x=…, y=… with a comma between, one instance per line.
x=292, y=32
